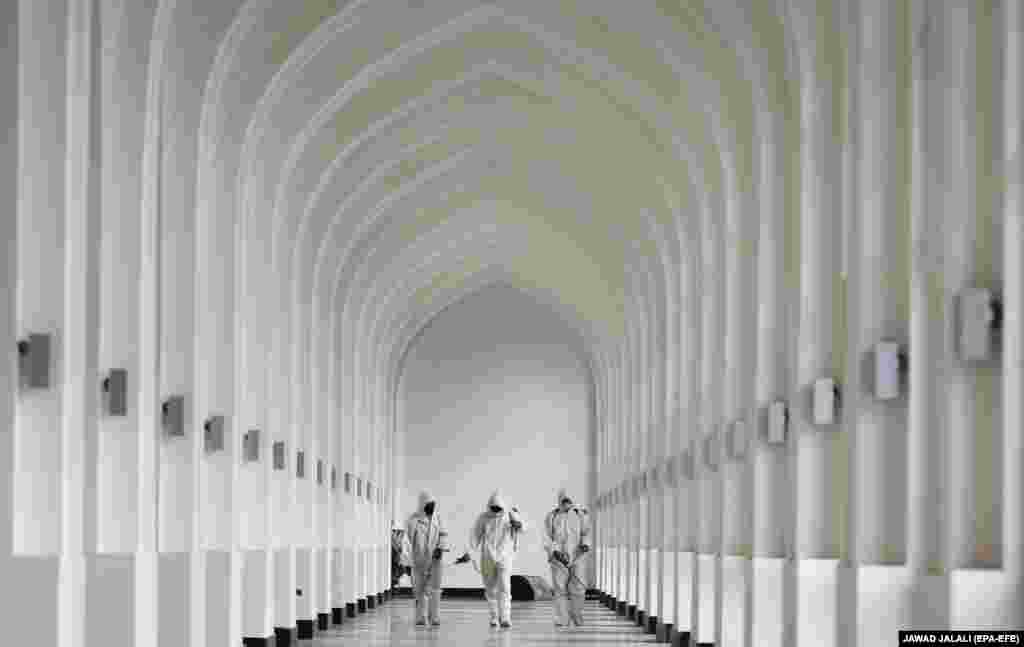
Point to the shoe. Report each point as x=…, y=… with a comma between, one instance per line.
x=435, y=623
x=494, y=623
x=421, y=622
x=506, y=624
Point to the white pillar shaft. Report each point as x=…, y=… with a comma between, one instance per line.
x=740, y=358
x=79, y=339
x=973, y=258
x=881, y=441
x=773, y=335
x=926, y=424
x=1013, y=309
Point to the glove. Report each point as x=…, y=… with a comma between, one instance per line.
x=559, y=556
x=516, y=525
x=438, y=553
x=463, y=559
x=584, y=548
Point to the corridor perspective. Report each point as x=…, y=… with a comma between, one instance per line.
x=744, y=277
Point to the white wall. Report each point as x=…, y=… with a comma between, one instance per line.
x=495, y=395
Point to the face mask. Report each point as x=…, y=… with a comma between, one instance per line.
x=566, y=503
x=496, y=509
x=429, y=509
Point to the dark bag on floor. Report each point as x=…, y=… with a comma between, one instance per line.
x=529, y=588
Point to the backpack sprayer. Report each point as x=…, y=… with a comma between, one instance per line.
x=570, y=565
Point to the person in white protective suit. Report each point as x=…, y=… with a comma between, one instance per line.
x=567, y=541
x=428, y=541
x=496, y=537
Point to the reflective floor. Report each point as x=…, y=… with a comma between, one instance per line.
x=465, y=623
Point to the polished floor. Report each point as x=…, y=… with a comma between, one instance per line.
x=465, y=622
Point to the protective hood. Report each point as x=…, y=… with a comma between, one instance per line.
x=561, y=495
x=425, y=498
x=496, y=499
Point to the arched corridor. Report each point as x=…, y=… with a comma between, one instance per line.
x=746, y=276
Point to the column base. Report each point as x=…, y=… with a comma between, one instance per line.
x=323, y=621
x=631, y=612
x=337, y=615
x=285, y=637
x=361, y=605
x=304, y=629
x=680, y=638
x=351, y=609
x=640, y=618
x=663, y=633
x=652, y=625
x=258, y=642
x=620, y=608
x=371, y=602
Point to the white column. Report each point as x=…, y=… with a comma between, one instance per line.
x=928, y=357
x=852, y=377
x=740, y=250
x=1013, y=314
x=18, y=612
x=973, y=258
x=708, y=482
x=820, y=456
x=773, y=353
x=79, y=341
x=880, y=453
x=686, y=519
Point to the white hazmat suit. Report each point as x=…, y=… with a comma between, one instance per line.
x=426, y=535
x=495, y=536
x=567, y=534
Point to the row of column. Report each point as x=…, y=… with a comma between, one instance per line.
x=153, y=378
x=898, y=188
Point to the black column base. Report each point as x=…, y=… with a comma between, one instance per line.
x=285, y=637
x=680, y=639
x=337, y=615
x=323, y=621
x=620, y=608
x=663, y=634
x=613, y=602
x=380, y=599
x=652, y=625
x=305, y=629
x=371, y=602
x=631, y=612
x=351, y=609
x=258, y=642
x=361, y=605
x=705, y=644
x=640, y=618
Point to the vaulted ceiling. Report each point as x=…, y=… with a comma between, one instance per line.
x=390, y=156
